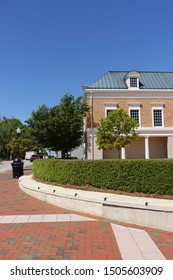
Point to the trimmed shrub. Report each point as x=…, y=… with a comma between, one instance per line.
x=147, y=176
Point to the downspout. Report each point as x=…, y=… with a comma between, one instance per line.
x=91, y=125
x=91, y=111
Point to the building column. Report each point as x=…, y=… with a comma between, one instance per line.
x=98, y=153
x=123, y=153
x=92, y=149
x=92, y=145
x=147, y=151
x=89, y=147
x=170, y=147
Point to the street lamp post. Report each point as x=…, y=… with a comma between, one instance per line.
x=18, y=130
x=17, y=164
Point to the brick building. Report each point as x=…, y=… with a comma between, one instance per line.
x=147, y=97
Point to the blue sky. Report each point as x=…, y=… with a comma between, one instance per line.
x=51, y=47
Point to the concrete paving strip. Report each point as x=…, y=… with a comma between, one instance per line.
x=7, y=219
x=136, y=244
x=43, y=218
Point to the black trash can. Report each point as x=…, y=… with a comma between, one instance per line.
x=17, y=167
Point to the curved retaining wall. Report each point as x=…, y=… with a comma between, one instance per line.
x=142, y=211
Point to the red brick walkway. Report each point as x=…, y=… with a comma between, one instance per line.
x=63, y=240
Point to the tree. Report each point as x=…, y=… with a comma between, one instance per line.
x=19, y=146
x=39, y=125
x=60, y=127
x=9, y=137
x=116, y=131
x=7, y=132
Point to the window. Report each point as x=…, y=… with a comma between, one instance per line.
x=157, y=117
x=157, y=114
x=108, y=112
x=134, y=113
x=133, y=82
x=109, y=107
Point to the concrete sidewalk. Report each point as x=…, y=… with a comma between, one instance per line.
x=5, y=165
x=33, y=229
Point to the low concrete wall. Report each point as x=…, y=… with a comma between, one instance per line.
x=150, y=212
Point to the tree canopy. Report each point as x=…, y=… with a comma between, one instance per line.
x=59, y=127
x=19, y=146
x=10, y=143
x=7, y=133
x=116, y=131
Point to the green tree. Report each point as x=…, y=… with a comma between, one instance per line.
x=39, y=125
x=60, y=127
x=7, y=132
x=19, y=146
x=116, y=131
x=8, y=136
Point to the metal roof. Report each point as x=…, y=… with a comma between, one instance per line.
x=148, y=80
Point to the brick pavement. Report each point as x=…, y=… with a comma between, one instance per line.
x=77, y=240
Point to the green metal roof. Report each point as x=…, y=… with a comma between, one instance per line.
x=148, y=80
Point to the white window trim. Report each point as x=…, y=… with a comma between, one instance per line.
x=128, y=84
x=135, y=107
x=136, y=82
x=109, y=107
x=157, y=108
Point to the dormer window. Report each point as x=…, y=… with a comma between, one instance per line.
x=133, y=82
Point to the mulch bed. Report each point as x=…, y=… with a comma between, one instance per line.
x=94, y=189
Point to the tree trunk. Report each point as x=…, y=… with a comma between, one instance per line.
x=119, y=153
x=62, y=153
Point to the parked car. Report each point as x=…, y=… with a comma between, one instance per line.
x=29, y=154
x=33, y=157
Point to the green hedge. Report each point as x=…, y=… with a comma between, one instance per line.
x=148, y=176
